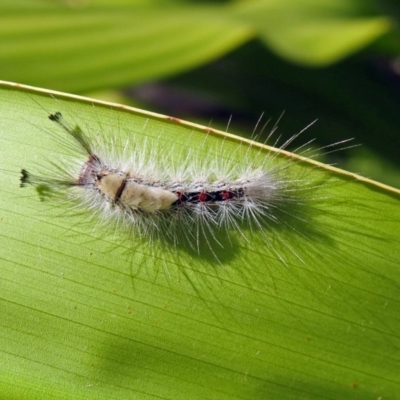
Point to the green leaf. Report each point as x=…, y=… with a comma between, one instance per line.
x=314, y=33
x=88, y=314
x=109, y=45
x=98, y=45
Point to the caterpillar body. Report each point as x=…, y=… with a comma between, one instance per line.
x=194, y=202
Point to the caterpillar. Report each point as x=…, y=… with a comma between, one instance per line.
x=195, y=202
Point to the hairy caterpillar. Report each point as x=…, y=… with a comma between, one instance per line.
x=198, y=202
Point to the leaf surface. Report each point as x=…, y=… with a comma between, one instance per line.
x=88, y=313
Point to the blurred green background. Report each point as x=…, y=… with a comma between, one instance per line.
x=207, y=61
